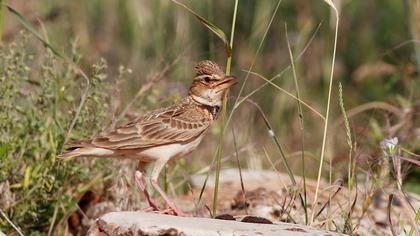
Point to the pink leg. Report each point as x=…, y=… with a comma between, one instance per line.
x=154, y=181
x=138, y=176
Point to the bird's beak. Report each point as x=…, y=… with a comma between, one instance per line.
x=227, y=82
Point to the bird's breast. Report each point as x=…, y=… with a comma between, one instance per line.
x=170, y=151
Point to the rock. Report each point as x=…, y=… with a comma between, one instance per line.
x=272, y=196
x=252, y=178
x=7, y=198
x=151, y=224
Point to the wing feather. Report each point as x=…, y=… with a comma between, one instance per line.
x=158, y=128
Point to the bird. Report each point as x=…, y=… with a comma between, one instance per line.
x=164, y=134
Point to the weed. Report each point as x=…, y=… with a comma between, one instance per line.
x=39, y=98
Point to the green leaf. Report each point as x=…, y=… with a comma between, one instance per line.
x=27, y=177
x=31, y=29
x=3, y=150
x=216, y=30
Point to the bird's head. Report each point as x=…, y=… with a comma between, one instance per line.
x=210, y=84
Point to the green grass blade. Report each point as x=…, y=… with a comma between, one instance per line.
x=251, y=66
x=302, y=126
x=286, y=92
x=11, y=223
x=206, y=179
x=3, y=150
x=32, y=30
x=245, y=97
x=223, y=117
x=416, y=221
x=239, y=167
x=216, y=30
x=276, y=141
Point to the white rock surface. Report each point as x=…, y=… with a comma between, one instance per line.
x=231, y=177
x=151, y=224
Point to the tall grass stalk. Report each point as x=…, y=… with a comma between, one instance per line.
x=239, y=167
x=223, y=115
x=228, y=44
x=11, y=223
x=351, y=164
x=288, y=94
x=30, y=28
x=302, y=126
x=252, y=63
x=210, y=12
x=416, y=220
x=268, y=81
x=327, y=114
x=276, y=141
x=349, y=139
x=216, y=30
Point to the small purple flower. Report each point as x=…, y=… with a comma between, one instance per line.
x=389, y=145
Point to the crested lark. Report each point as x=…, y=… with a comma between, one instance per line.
x=163, y=134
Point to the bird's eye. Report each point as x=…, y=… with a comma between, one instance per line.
x=207, y=79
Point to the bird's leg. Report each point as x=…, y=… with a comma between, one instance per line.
x=157, y=168
x=139, y=179
x=138, y=176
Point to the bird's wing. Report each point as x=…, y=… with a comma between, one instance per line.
x=156, y=128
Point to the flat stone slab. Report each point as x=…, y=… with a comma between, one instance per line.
x=151, y=224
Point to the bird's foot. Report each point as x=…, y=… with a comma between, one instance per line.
x=167, y=211
x=175, y=212
x=151, y=209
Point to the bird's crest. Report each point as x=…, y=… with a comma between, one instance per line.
x=207, y=68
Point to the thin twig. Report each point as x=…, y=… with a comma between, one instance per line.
x=340, y=186
x=146, y=87
x=391, y=226
x=258, y=50
x=403, y=44
x=274, y=168
x=289, y=94
x=239, y=168
x=82, y=100
x=276, y=141
x=11, y=223
x=253, y=62
x=237, y=104
x=206, y=179
x=54, y=218
x=369, y=106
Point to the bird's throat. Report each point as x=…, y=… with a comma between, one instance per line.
x=212, y=108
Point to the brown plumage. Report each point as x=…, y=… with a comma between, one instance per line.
x=163, y=134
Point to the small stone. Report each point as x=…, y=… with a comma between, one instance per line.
x=225, y=217
x=256, y=220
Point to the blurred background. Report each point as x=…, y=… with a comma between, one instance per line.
x=124, y=44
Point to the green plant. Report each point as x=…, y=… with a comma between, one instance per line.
x=39, y=99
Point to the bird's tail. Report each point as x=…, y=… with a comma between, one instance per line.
x=70, y=154
x=83, y=149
